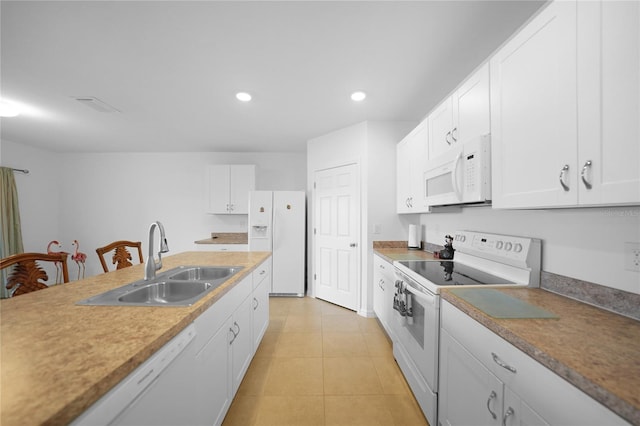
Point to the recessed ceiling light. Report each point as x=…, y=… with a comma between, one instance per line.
x=8, y=110
x=358, y=96
x=243, y=96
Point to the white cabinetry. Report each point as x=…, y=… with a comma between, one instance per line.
x=533, y=112
x=484, y=380
x=228, y=188
x=261, y=290
x=608, y=102
x=564, y=108
x=383, y=289
x=241, y=340
x=411, y=157
x=461, y=116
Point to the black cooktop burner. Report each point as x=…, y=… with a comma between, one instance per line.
x=448, y=272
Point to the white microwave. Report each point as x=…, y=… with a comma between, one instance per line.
x=462, y=175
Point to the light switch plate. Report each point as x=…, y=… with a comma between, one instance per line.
x=632, y=257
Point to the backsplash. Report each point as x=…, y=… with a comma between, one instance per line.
x=611, y=299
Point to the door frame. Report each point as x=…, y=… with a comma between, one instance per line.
x=311, y=291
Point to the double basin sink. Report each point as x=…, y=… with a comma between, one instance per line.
x=181, y=286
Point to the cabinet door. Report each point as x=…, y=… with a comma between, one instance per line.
x=440, y=123
x=412, y=155
x=609, y=102
x=379, y=289
x=518, y=413
x=218, y=180
x=241, y=342
x=469, y=393
x=534, y=113
x=242, y=180
x=471, y=107
x=260, y=305
x=403, y=176
x=213, y=378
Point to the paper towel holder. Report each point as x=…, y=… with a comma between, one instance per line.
x=414, y=237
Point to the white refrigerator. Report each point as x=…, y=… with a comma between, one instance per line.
x=277, y=223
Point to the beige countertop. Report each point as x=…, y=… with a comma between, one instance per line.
x=596, y=350
x=57, y=358
x=226, y=238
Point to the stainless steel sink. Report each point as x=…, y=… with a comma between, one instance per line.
x=182, y=286
x=203, y=273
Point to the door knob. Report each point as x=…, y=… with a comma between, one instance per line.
x=353, y=245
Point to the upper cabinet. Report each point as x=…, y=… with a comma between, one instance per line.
x=228, y=188
x=534, y=113
x=463, y=115
x=608, y=102
x=411, y=162
x=565, y=106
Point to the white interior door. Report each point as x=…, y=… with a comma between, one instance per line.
x=336, y=235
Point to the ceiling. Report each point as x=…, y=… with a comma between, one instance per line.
x=172, y=68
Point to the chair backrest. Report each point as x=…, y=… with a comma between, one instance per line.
x=121, y=255
x=27, y=274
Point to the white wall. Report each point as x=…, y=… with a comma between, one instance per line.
x=585, y=243
x=38, y=192
x=100, y=198
x=371, y=145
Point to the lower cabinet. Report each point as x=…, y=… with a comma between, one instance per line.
x=484, y=380
x=383, y=289
x=471, y=394
x=260, y=310
x=241, y=342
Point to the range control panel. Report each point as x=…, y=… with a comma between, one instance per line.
x=502, y=248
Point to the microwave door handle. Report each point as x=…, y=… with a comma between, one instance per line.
x=454, y=176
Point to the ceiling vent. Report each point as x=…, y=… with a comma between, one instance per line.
x=95, y=103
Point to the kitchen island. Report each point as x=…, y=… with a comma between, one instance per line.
x=58, y=358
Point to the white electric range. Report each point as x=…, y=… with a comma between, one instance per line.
x=480, y=260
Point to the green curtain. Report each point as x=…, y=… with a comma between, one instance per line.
x=11, y=242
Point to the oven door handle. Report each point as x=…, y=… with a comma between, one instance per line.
x=425, y=297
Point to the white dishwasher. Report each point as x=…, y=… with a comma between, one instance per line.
x=156, y=393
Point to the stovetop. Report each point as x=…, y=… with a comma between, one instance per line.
x=451, y=273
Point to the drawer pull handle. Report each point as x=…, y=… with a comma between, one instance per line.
x=491, y=397
x=501, y=363
x=510, y=412
x=256, y=305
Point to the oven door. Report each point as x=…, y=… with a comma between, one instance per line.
x=417, y=329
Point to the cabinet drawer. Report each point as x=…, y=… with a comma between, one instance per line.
x=261, y=272
x=211, y=320
x=555, y=399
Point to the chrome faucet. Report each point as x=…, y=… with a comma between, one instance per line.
x=150, y=266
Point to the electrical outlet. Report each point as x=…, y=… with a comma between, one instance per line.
x=632, y=257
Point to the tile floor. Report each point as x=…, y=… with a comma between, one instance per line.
x=320, y=364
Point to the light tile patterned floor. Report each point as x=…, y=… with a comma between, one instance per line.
x=320, y=364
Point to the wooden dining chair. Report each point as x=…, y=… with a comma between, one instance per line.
x=121, y=255
x=25, y=273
